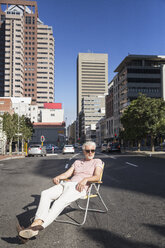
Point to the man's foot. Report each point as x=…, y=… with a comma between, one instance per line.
x=30, y=231
x=37, y=222
x=23, y=240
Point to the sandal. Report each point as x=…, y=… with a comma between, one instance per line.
x=30, y=231
x=20, y=228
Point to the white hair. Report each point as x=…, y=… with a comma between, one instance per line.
x=89, y=143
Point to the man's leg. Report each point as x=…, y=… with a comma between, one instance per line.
x=47, y=196
x=69, y=195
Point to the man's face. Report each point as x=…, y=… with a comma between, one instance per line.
x=89, y=152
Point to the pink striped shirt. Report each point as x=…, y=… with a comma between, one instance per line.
x=83, y=168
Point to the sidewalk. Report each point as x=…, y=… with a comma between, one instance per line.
x=158, y=154
x=14, y=156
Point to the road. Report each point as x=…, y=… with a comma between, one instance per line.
x=133, y=189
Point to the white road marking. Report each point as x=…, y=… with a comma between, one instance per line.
x=66, y=166
x=131, y=164
x=108, y=156
x=112, y=157
x=74, y=156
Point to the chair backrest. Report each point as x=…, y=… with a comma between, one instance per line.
x=102, y=172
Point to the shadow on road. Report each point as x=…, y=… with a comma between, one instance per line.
x=160, y=229
x=24, y=219
x=108, y=239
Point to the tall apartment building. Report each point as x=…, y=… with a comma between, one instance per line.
x=135, y=74
x=26, y=53
x=92, y=76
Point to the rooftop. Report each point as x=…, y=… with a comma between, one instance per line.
x=134, y=56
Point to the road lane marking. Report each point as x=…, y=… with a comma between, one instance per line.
x=67, y=165
x=112, y=157
x=108, y=156
x=131, y=164
x=74, y=156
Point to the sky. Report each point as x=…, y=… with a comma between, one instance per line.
x=115, y=27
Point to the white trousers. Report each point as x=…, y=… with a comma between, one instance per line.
x=62, y=195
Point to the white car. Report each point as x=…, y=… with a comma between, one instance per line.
x=103, y=147
x=68, y=149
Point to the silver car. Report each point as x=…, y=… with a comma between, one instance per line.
x=36, y=150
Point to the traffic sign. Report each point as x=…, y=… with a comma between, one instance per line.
x=42, y=138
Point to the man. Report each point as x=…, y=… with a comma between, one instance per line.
x=82, y=173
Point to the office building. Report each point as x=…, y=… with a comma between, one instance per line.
x=93, y=109
x=26, y=53
x=137, y=74
x=92, y=76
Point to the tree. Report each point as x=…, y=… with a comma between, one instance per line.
x=26, y=129
x=16, y=127
x=10, y=126
x=144, y=117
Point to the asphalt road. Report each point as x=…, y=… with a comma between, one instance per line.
x=133, y=189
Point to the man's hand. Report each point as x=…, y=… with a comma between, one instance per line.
x=56, y=180
x=81, y=185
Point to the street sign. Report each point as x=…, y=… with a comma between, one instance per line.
x=42, y=138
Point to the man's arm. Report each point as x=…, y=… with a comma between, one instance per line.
x=96, y=177
x=64, y=175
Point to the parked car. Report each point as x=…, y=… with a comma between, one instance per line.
x=104, y=147
x=50, y=148
x=113, y=146
x=36, y=150
x=68, y=149
x=162, y=144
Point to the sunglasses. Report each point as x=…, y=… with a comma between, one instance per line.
x=88, y=151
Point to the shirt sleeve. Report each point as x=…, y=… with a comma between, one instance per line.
x=99, y=163
x=74, y=164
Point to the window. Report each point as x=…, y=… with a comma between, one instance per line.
x=28, y=20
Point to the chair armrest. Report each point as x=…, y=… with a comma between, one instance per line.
x=97, y=182
x=66, y=180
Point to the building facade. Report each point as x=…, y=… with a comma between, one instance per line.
x=26, y=53
x=54, y=133
x=109, y=112
x=71, y=133
x=92, y=76
x=21, y=106
x=136, y=74
x=93, y=109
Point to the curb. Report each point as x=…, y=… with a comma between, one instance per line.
x=17, y=157
x=8, y=158
x=148, y=153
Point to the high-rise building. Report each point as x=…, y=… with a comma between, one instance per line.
x=92, y=76
x=26, y=53
x=137, y=74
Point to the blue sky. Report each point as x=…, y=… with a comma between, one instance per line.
x=115, y=27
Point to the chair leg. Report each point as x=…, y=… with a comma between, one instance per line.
x=86, y=209
x=93, y=209
x=74, y=222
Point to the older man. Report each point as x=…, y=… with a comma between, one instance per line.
x=82, y=173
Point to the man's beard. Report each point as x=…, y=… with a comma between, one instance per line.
x=90, y=157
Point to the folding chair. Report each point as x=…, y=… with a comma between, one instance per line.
x=94, y=186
